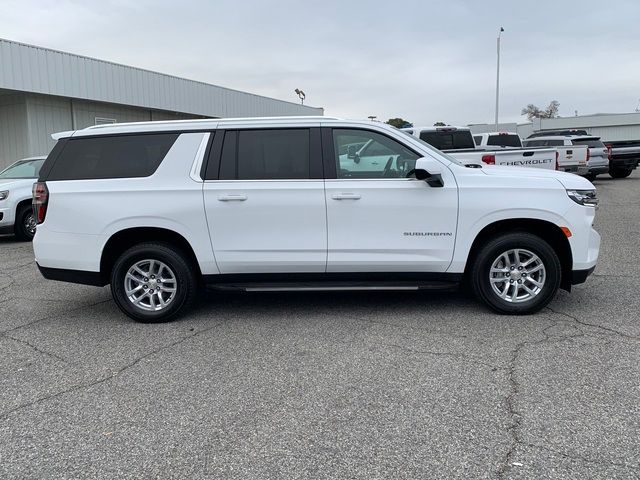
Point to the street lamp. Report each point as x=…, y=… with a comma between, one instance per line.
x=498, y=77
x=301, y=95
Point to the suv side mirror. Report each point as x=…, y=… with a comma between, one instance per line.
x=428, y=170
x=351, y=151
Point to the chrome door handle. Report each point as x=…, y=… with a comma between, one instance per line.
x=346, y=196
x=232, y=198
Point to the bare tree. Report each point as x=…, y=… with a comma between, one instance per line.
x=531, y=111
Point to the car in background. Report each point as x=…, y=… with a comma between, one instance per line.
x=16, y=183
x=571, y=158
x=459, y=143
x=498, y=139
x=624, y=157
x=598, y=153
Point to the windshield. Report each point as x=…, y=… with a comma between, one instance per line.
x=23, y=169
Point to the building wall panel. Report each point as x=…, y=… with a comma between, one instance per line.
x=46, y=115
x=13, y=129
x=38, y=70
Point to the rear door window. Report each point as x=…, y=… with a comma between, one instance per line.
x=275, y=154
x=122, y=156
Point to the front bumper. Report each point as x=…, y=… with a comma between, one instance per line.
x=6, y=223
x=580, y=276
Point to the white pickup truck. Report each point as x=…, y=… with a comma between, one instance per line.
x=571, y=158
x=459, y=143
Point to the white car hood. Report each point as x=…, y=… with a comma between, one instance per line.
x=13, y=183
x=568, y=180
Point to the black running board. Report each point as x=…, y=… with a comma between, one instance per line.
x=334, y=281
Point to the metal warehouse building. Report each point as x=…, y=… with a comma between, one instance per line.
x=43, y=91
x=608, y=126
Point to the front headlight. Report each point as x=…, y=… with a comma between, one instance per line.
x=584, y=197
x=4, y=194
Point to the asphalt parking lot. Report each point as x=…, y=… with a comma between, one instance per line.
x=326, y=385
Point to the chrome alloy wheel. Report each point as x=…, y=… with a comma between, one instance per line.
x=517, y=275
x=30, y=224
x=150, y=285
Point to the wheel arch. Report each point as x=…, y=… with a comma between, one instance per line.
x=548, y=231
x=128, y=237
x=21, y=204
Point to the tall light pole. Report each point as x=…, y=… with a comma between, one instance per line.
x=498, y=77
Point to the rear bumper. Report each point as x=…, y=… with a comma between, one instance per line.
x=72, y=276
x=599, y=169
x=580, y=276
x=577, y=169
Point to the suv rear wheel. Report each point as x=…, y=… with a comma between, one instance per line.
x=25, y=226
x=153, y=282
x=516, y=273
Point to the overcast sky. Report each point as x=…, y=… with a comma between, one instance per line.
x=424, y=61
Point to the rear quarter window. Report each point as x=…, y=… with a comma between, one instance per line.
x=121, y=156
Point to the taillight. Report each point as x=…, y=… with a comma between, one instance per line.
x=557, y=160
x=40, y=201
x=588, y=154
x=489, y=159
x=608, y=151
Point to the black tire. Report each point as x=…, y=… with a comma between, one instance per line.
x=481, y=271
x=620, y=172
x=180, y=265
x=25, y=226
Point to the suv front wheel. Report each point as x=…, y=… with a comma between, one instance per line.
x=516, y=273
x=153, y=282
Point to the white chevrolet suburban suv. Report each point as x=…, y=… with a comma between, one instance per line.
x=159, y=209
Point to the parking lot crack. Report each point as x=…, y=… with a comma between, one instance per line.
x=582, y=458
x=458, y=356
x=511, y=400
x=47, y=317
x=111, y=376
x=594, y=325
x=34, y=347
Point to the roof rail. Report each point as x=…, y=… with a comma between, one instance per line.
x=208, y=120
